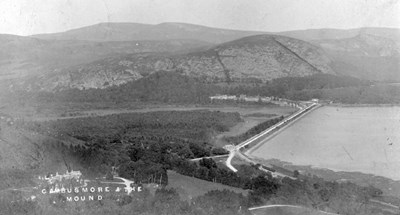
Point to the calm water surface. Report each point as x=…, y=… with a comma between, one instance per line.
x=364, y=139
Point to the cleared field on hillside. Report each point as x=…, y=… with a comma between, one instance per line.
x=250, y=112
x=364, y=139
x=190, y=187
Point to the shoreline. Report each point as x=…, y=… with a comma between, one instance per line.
x=347, y=174
x=360, y=105
x=284, y=164
x=248, y=151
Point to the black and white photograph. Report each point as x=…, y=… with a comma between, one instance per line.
x=203, y=107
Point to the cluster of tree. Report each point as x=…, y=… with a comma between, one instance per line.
x=167, y=201
x=196, y=126
x=314, y=192
x=164, y=87
x=377, y=94
x=208, y=170
x=172, y=87
x=281, y=86
x=144, y=149
x=144, y=145
x=253, y=131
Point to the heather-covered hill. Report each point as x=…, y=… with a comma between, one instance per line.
x=26, y=56
x=251, y=59
x=332, y=41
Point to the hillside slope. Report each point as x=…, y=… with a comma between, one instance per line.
x=53, y=52
x=332, y=34
x=22, y=56
x=251, y=59
x=24, y=155
x=382, y=68
x=365, y=56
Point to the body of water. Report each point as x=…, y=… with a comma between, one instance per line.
x=363, y=139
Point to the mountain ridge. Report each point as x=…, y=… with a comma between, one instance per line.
x=137, y=31
x=260, y=57
x=51, y=53
x=303, y=34
x=365, y=56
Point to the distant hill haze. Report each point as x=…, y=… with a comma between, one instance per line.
x=113, y=53
x=170, y=30
x=22, y=56
x=365, y=56
x=135, y=31
x=332, y=34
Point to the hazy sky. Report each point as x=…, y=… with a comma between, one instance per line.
x=24, y=17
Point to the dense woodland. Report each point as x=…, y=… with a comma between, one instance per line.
x=172, y=87
x=376, y=94
x=145, y=145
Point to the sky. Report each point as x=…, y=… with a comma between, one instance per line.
x=27, y=17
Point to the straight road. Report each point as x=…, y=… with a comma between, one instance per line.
x=263, y=135
x=288, y=206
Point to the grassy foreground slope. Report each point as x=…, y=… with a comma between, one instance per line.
x=288, y=210
x=191, y=187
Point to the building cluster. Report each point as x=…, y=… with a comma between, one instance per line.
x=260, y=99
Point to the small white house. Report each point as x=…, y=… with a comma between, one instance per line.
x=315, y=100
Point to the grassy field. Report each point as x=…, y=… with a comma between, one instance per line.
x=247, y=111
x=190, y=187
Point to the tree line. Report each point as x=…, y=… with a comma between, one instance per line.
x=172, y=87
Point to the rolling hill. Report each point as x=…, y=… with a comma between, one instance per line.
x=172, y=30
x=255, y=58
x=22, y=56
x=335, y=34
x=356, y=62
x=365, y=56
x=114, y=53
x=135, y=31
